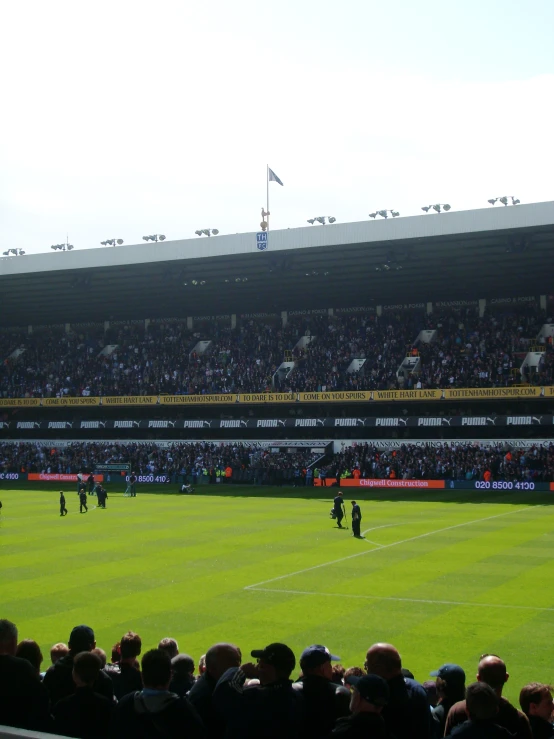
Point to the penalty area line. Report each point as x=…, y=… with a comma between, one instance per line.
x=387, y=546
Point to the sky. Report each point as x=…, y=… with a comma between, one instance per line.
x=121, y=119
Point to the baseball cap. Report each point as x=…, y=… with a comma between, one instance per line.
x=278, y=655
x=81, y=636
x=316, y=655
x=450, y=673
x=372, y=688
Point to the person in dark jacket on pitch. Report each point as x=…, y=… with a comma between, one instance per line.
x=407, y=713
x=325, y=701
x=219, y=658
x=370, y=694
x=182, y=674
x=83, y=500
x=482, y=710
x=450, y=689
x=63, y=509
x=154, y=712
x=536, y=703
x=124, y=675
x=338, y=509
x=58, y=679
x=271, y=710
x=356, y=520
x=85, y=714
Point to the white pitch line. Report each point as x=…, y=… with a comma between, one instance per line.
x=402, y=600
x=387, y=546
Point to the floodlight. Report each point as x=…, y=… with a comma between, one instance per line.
x=332, y=220
x=120, y=241
x=161, y=237
x=198, y=233
x=373, y=215
x=394, y=213
x=492, y=201
x=504, y=200
x=6, y=253
x=515, y=201
x=426, y=208
x=311, y=221
x=446, y=206
x=215, y=231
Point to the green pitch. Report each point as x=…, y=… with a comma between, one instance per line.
x=444, y=577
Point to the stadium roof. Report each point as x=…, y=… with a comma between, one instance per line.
x=493, y=252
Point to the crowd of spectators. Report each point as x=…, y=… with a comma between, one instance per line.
x=196, y=462
x=466, y=351
x=265, y=696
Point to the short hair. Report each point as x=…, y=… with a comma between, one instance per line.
x=182, y=664
x=87, y=666
x=156, y=668
x=116, y=652
x=131, y=645
x=533, y=693
x=58, y=651
x=101, y=654
x=352, y=672
x=169, y=646
x=338, y=673
x=28, y=649
x=8, y=631
x=202, y=663
x=481, y=701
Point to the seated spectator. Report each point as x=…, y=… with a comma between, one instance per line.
x=101, y=654
x=219, y=659
x=169, y=646
x=352, y=672
x=271, y=710
x=536, y=703
x=492, y=671
x=450, y=689
x=182, y=674
x=125, y=676
x=430, y=687
x=28, y=649
x=369, y=696
x=58, y=651
x=59, y=678
x=154, y=712
x=324, y=700
x=202, y=665
x=23, y=698
x=84, y=714
x=482, y=712
x=407, y=712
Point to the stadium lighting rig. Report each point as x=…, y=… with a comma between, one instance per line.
x=322, y=220
x=194, y=283
x=438, y=207
x=154, y=237
x=384, y=213
x=315, y=273
x=207, y=232
x=14, y=252
x=112, y=242
x=62, y=247
x=505, y=200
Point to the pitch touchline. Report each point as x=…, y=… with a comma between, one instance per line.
x=404, y=600
x=386, y=546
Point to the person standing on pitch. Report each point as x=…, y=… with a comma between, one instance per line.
x=356, y=519
x=133, y=485
x=83, y=500
x=338, y=509
x=63, y=509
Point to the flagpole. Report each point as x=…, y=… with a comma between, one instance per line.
x=267, y=193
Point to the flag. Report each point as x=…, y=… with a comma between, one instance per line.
x=273, y=177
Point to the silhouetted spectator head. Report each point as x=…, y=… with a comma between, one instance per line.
x=370, y=694
x=58, y=651
x=316, y=660
x=130, y=645
x=220, y=658
x=101, y=654
x=383, y=660
x=8, y=637
x=275, y=662
x=492, y=670
x=352, y=672
x=430, y=687
x=202, y=665
x=169, y=646
x=338, y=674
x=535, y=699
x=28, y=649
x=481, y=702
x=407, y=673
x=116, y=653
x=450, y=682
x=81, y=640
x=182, y=665
x=86, y=668
x=156, y=669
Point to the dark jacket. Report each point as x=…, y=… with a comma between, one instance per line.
x=181, y=684
x=261, y=712
x=361, y=726
x=23, y=699
x=541, y=729
x=481, y=730
x=407, y=713
x=125, y=679
x=85, y=714
x=324, y=703
x=508, y=717
x=200, y=697
x=58, y=681
x=155, y=715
